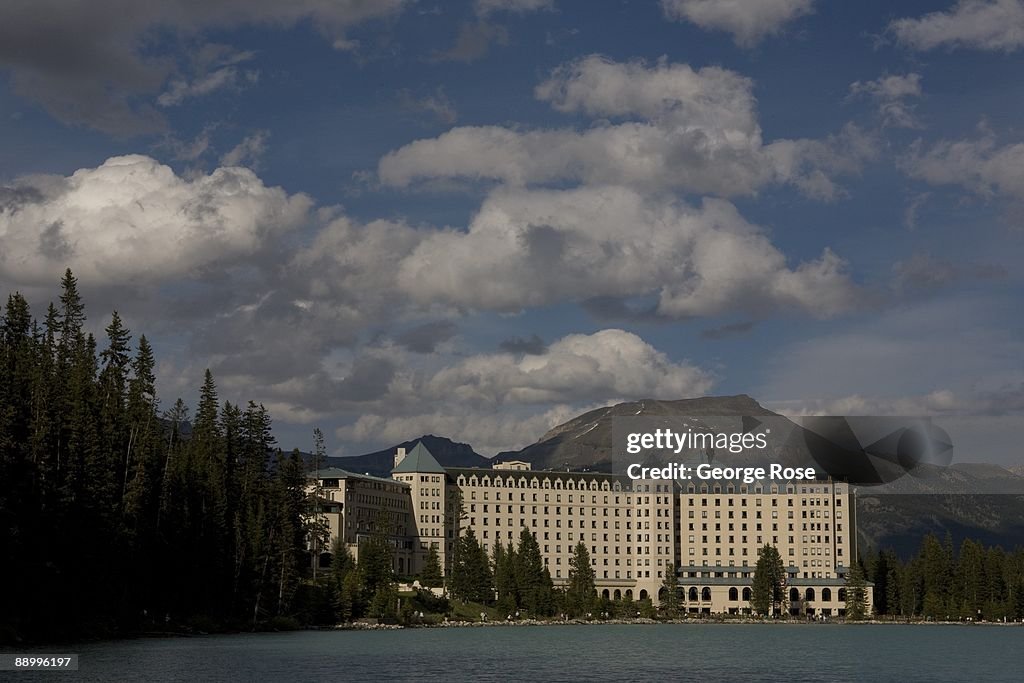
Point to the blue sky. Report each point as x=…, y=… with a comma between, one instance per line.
x=479, y=219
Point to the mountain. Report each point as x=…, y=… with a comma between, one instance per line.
x=585, y=442
x=379, y=463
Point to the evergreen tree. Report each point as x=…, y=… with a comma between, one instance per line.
x=471, y=579
x=581, y=592
x=769, y=582
x=431, y=574
x=533, y=582
x=670, y=594
x=856, y=594
x=375, y=562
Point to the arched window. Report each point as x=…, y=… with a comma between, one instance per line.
x=734, y=595
x=842, y=595
x=618, y=594
x=810, y=594
x=662, y=592
x=826, y=594
x=746, y=594
x=794, y=595
x=643, y=595
x=693, y=594
x=705, y=593
x=604, y=594
x=629, y=593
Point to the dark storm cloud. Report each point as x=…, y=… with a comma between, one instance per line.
x=725, y=331
x=425, y=338
x=531, y=346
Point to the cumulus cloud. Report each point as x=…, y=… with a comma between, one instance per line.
x=979, y=165
x=994, y=25
x=693, y=130
x=747, y=20
x=133, y=220
x=529, y=248
x=92, y=62
x=892, y=95
x=506, y=400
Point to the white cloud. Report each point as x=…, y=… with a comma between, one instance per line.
x=248, y=152
x=529, y=248
x=503, y=400
x=711, y=98
x=979, y=165
x=995, y=25
x=577, y=368
x=747, y=20
x=133, y=220
x=892, y=94
x=696, y=131
x=225, y=78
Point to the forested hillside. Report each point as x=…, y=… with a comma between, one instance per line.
x=109, y=520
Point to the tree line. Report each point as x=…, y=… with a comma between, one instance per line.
x=975, y=582
x=117, y=515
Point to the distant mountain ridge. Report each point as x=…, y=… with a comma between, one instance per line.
x=379, y=463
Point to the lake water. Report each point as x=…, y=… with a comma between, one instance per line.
x=667, y=652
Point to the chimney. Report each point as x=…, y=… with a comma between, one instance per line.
x=399, y=456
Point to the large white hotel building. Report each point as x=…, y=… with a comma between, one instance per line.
x=709, y=533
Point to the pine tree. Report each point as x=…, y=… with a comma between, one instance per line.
x=768, y=586
x=504, y=562
x=431, y=574
x=581, y=592
x=376, y=564
x=670, y=594
x=856, y=594
x=471, y=579
x=535, y=591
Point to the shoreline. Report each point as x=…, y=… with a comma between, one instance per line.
x=648, y=622
x=361, y=626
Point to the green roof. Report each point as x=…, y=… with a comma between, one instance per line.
x=338, y=473
x=419, y=459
